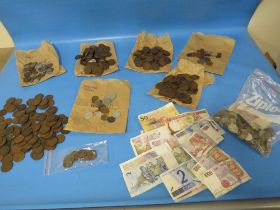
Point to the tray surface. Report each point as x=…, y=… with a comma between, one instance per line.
x=103, y=185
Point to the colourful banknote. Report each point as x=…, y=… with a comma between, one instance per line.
x=210, y=159
x=181, y=183
x=195, y=143
x=140, y=143
x=224, y=177
x=183, y=120
x=178, y=152
x=155, y=118
x=142, y=173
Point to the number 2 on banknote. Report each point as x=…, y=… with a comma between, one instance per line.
x=183, y=178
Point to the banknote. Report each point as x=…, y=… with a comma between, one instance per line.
x=178, y=152
x=183, y=120
x=224, y=177
x=155, y=118
x=195, y=143
x=181, y=183
x=141, y=144
x=210, y=127
x=210, y=159
x=142, y=173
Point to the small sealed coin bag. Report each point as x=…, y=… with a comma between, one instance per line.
x=73, y=158
x=255, y=116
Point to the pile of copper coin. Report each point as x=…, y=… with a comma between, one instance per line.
x=179, y=87
x=151, y=58
x=36, y=71
x=31, y=127
x=204, y=57
x=80, y=155
x=95, y=59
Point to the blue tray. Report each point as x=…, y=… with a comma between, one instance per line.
x=67, y=23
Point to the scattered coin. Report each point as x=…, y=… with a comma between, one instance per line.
x=29, y=129
x=111, y=119
x=204, y=57
x=36, y=71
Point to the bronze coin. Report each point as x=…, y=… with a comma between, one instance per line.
x=94, y=98
x=3, y=124
x=6, y=166
x=51, y=103
x=21, y=107
x=155, y=66
x=51, y=142
x=52, y=110
x=10, y=100
x=147, y=65
x=18, y=101
x=3, y=112
x=23, y=119
x=2, y=118
x=19, y=139
x=104, y=110
x=41, y=116
x=3, y=141
x=27, y=131
x=36, y=156
x=44, y=129
x=10, y=107
x=19, y=156
x=38, y=149
x=35, y=127
x=36, y=145
x=4, y=150
x=111, y=119
x=19, y=113
x=30, y=109
x=111, y=62
x=60, y=138
x=104, y=117
x=33, y=140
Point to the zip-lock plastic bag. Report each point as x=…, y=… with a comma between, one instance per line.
x=255, y=116
x=73, y=158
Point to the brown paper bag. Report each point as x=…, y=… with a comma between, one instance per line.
x=79, y=68
x=211, y=44
x=46, y=53
x=83, y=117
x=150, y=40
x=184, y=67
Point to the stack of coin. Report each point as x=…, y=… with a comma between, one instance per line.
x=102, y=106
x=81, y=155
x=151, y=58
x=35, y=71
x=94, y=59
x=204, y=57
x=260, y=139
x=179, y=87
x=29, y=129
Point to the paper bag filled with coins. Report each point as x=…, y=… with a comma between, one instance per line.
x=38, y=65
x=151, y=54
x=211, y=51
x=100, y=107
x=183, y=85
x=96, y=59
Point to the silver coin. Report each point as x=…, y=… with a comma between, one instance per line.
x=111, y=95
x=98, y=114
x=88, y=115
x=107, y=101
x=116, y=114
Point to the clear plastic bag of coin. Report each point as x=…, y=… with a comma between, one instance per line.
x=76, y=158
